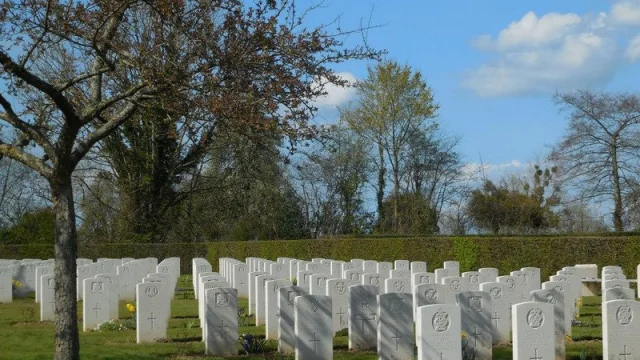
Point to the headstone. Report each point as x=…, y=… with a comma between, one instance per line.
x=555, y=298
x=438, y=332
x=430, y=294
x=533, y=331
x=252, y=295
x=313, y=327
x=84, y=272
x=221, y=322
x=272, y=289
x=454, y=266
x=563, y=288
x=471, y=280
x=6, y=289
x=40, y=271
x=442, y=273
x=279, y=271
x=353, y=275
x=47, y=297
x=357, y=264
x=362, y=301
x=533, y=277
x=370, y=266
x=261, y=316
x=127, y=280
x=336, y=269
x=318, y=284
x=395, y=326
x=418, y=267
x=620, y=330
x=397, y=285
x=522, y=284
x=500, y=311
x=587, y=271
x=400, y=273
x=337, y=290
x=605, y=277
x=454, y=284
x=240, y=278
x=95, y=306
x=113, y=291
x=402, y=265
x=151, y=312
x=475, y=309
x=419, y=278
x=488, y=275
x=384, y=269
x=372, y=279
x=511, y=292
x=286, y=319
x=303, y=279
x=618, y=294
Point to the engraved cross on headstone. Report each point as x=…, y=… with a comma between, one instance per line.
x=222, y=328
x=315, y=343
x=364, y=318
x=495, y=317
x=152, y=318
x=397, y=338
x=97, y=310
x=536, y=357
x=475, y=334
x=625, y=353
x=341, y=313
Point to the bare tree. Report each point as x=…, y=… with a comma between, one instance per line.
x=599, y=153
x=20, y=191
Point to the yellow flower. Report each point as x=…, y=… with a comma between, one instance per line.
x=131, y=308
x=17, y=283
x=568, y=338
x=464, y=335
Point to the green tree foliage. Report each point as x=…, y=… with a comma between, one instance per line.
x=519, y=208
x=36, y=227
x=415, y=217
x=394, y=102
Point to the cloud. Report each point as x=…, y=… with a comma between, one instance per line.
x=633, y=50
x=336, y=95
x=552, y=52
x=626, y=12
x=492, y=170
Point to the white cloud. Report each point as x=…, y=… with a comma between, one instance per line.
x=626, y=12
x=633, y=50
x=336, y=95
x=493, y=169
x=551, y=52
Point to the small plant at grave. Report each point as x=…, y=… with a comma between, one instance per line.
x=191, y=324
x=243, y=316
x=294, y=281
x=252, y=344
x=15, y=284
x=583, y=354
x=116, y=325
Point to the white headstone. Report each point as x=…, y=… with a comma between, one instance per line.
x=313, y=327
x=40, y=271
x=362, y=301
x=272, y=289
x=337, y=290
x=475, y=309
x=384, y=269
x=620, y=330
x=370, y=266
x=442, y=273
x=372, y=279
x=286, y=318
x=488, y=275
x=47, y=297
x=454, y=284
x=252, y=295
x=533, y=331
x=500, y=311
x=151, y=312
x=303, y=279
x=353, y=275
x=260, y=281
x=318, y=284
x=618, y=294
x=555, y=298
x=6, y=289
x=222, y=322
x=95, y=306
x=438, y=332
x=395, y=326
x=471, y=280
x=402, y=265
x=397, y=285
x=240, y=278
x=565, y=289
x=113, y=291
x=418, y=267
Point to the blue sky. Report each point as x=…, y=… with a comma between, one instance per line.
x=494, y=65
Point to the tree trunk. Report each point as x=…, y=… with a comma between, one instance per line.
x=396, y=193
x=617, y=194
x=380, y=190
x=66, y=322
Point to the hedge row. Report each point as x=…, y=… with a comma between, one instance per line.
x=505, y=253
x=185, y=252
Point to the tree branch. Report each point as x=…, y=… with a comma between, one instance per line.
x=27, y=159
x=12, y=118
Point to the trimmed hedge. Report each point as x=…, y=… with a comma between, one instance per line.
x=185, y=252
x=505, y=253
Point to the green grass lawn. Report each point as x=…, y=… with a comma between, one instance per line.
x=22, y=336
